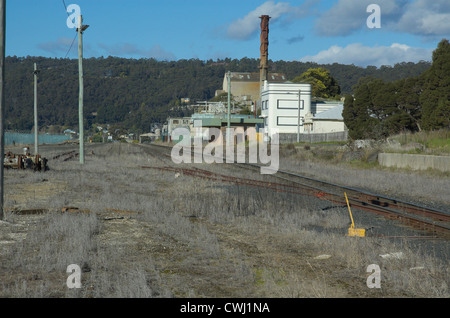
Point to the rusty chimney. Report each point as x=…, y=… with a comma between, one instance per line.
x=264, y=49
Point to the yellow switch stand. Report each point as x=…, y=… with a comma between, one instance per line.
x=352, y=231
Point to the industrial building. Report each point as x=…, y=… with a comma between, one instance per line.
x=212, y=120
x=286, y=108
x=245, y=87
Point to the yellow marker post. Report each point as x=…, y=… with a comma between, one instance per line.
x=352, y=231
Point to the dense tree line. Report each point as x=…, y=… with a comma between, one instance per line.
x=379, y=108
x=138, y=92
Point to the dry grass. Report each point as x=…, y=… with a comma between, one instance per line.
x=413, y=186
x=186, y=237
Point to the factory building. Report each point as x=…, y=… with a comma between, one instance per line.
x=284, y=107
x=245, y=87
x=288, y=109
x=211, y=120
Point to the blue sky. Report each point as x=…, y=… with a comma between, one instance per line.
x=323, y=31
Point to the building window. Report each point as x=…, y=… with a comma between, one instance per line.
x=289, y=121
x=289, y=104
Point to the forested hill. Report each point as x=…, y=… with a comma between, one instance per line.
x=138, y=92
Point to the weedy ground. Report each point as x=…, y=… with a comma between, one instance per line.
x=140, y=232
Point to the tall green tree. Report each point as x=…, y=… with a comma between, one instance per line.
x=322, y=83
x=358, y=118
x=408, y=94
x=436, y=95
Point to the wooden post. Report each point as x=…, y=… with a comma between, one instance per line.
x=81, y=28
x=36, y=130
x=2, y=99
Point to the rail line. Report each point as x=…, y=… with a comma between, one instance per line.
x=425, y=218
x=412, y=214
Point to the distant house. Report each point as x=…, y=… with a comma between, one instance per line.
x=329, y=121
x=69, y=132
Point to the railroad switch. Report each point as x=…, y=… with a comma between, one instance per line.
x=352, y=231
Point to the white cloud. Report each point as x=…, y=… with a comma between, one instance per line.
x=361, y=55
x=426, y=18
x=246, y=27
x=419, y=17
x=348, y=16
x=59, y=46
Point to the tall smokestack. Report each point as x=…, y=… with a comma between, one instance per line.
x=264, y=49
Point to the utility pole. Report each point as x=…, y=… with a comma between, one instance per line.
x=81, y=28
x=2, y=98
x=36, y=130
x=298, y=120
x=229, y=106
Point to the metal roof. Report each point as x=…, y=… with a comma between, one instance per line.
x=334, y=113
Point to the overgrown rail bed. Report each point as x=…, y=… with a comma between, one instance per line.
x=436, y=222
x=139, y=232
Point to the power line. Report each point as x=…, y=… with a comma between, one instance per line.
x=71, y=45
x=64, y=3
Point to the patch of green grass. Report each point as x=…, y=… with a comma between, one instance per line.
x=435, y=142
x=438, y=143
x=362, y=164
x=259, y=279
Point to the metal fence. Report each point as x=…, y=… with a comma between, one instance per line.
x=12, y=138
x=314, y=138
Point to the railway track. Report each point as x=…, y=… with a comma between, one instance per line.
x=434, y=221
x=418, y=216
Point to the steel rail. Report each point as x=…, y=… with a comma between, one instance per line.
x=422, y=217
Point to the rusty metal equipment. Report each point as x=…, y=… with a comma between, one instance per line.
x=25, y=161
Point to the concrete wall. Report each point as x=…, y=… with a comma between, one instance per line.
x=415, y=162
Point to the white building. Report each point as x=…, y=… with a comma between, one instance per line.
x=281, y=112
x=329, y=121
x=280, y=107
